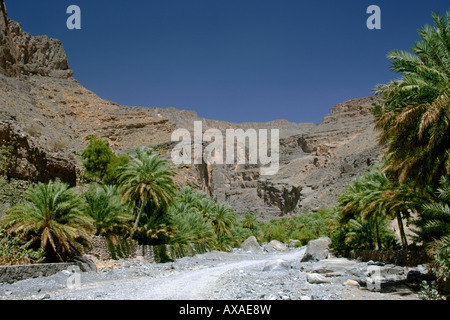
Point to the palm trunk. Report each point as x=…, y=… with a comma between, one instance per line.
x=377, y=230
x=139, y=213
x=401, y=230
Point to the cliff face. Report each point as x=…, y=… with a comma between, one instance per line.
x=46, y=116
x=23, y=54
x=316, y=162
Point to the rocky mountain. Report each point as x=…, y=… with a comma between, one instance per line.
x=47, y=116
x=316, y=162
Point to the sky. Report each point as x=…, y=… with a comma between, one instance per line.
x=231, y=60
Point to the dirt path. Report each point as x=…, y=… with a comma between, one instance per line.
x=211, y=276
x=197, y=284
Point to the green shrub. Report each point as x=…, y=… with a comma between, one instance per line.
x=100, y=162
x=13, y=250
x=191, y=226
x=308, y=226
x=361, y=234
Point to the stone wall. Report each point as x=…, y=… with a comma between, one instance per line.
x=11, y=274
x=106, y=249
x=164, y=253
x=408, y=258
x=103, y=249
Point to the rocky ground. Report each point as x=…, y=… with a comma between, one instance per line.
x=236, y=275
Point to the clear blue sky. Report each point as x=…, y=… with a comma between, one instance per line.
x=233, y=60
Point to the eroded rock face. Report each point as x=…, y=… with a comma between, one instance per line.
x=31, y=162
x=316, y=162
x=283, y=196
x=47, y=115
x=23, y=54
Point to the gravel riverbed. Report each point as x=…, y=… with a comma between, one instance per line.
x=235, y=275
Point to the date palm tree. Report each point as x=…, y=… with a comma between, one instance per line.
x=358, y=200
x=191, y=226
x=434, y=229
x=223, y=219
x=103, y=204
x=146, y=178
x=434, y=219
x=374, y=197
x=414, y=112
x=52, y=217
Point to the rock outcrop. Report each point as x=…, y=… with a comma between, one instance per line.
x=47, y=116
x=29, y=162
x=23, y=54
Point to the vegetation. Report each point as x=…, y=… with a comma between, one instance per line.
x=52, y=219
x=434, y=230
x=414, y=112
x=198, y=219
x=374, y=198
x=308, y=226
x=146, y=180
x=412, y=181
x=100, y=162
x=413, y=116
x=13, y=250
x=103, y=204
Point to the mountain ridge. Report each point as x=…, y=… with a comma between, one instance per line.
x=47, y=116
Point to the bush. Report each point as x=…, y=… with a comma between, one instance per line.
x=361, y=234
x=191, y=226
x=13, y=250
x=100, y=162
x=308, y=226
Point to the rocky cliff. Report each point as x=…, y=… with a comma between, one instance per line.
x=46, y=115
x=23, y=54
x=316, y=162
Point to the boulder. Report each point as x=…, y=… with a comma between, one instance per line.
x=381, y=276
x=84, y=263
x=351, y=283
x=317, y=249
x=275, y=245
x=277, y=265
x=251, y=244
x=335, y=265
x=315, y=278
